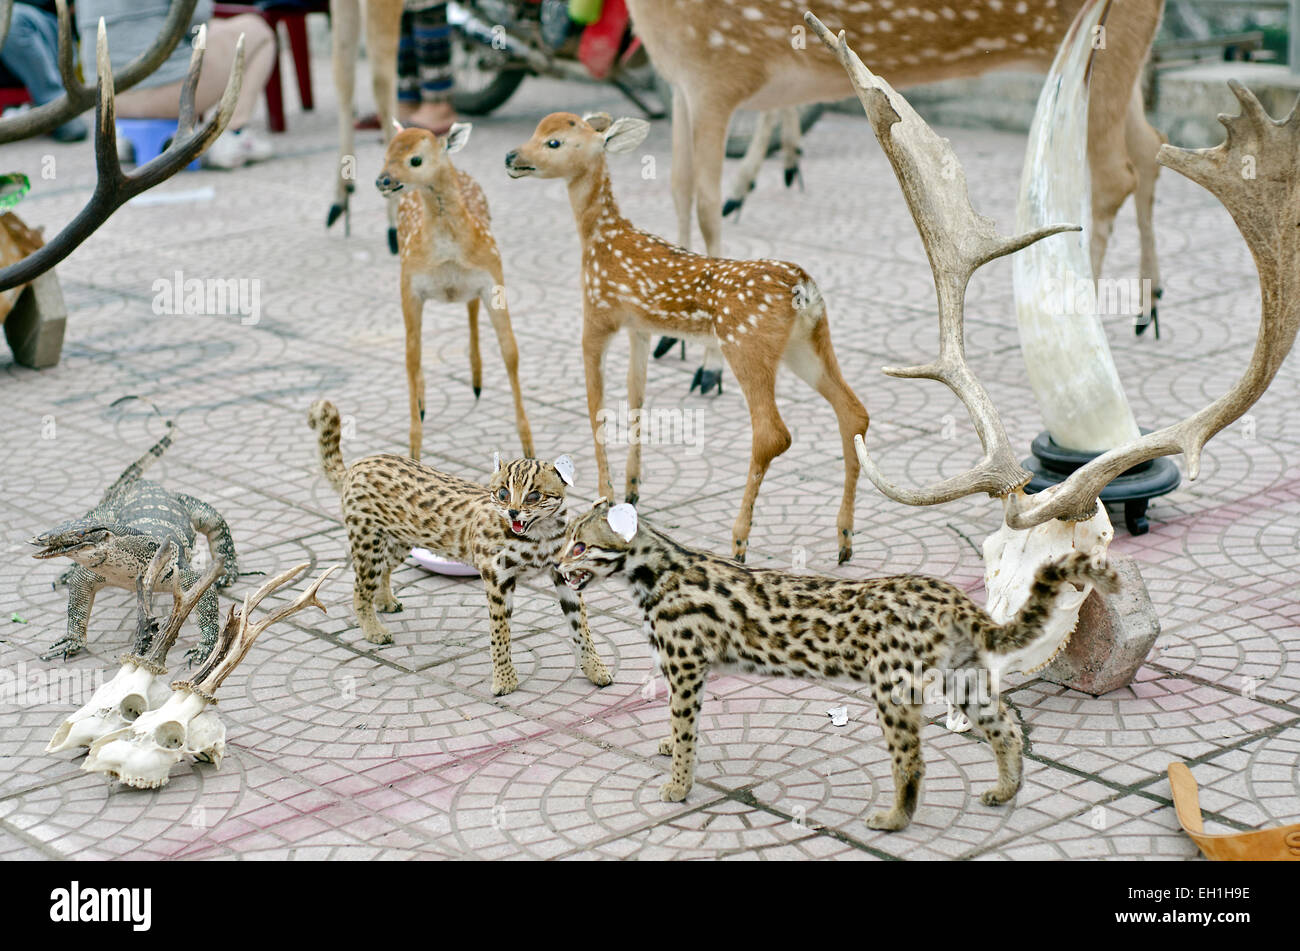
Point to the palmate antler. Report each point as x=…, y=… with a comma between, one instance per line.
x=958, y=242
x=113, y=187
x=1255, y=174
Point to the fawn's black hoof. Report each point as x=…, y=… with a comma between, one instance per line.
x=792, y=175
x=706, y=380
x=392, y=240
x=732, y=204
x=478, y=390
x=336, y=210
x=664, y=345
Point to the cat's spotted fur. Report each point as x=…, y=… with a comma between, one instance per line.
x=703, y=611
x=510, y=529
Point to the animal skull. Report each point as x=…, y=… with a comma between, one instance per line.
x=134, y=690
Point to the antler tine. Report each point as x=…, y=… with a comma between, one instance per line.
x=236, y=647
x=77, y=98
x=183, y=602
x=1255, y=173
x=113, y=188
x=958, y=242
x=6, y=10
x=145, y=583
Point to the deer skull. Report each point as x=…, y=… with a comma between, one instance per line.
x=132, y=691
x=142, y=754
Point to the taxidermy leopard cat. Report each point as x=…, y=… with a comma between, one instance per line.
x=511, y=529
x=703, y=611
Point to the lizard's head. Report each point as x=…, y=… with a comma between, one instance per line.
x=596, y=544
x=525, y=491
x=80, y=540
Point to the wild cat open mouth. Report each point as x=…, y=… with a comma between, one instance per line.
x=517, y=527
x=578, y=578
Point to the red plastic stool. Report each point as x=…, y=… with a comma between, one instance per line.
x=294, y=17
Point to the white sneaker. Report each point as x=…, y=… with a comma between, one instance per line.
x=256, y=148
x=227, y=152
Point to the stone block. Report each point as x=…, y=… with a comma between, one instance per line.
x=34, y=328
x=1114, y=635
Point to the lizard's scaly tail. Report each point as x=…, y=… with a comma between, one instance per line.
x=136, y=469
x=324, y=418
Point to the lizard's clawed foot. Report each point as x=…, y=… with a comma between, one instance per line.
x=65, y=646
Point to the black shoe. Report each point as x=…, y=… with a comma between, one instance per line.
x=74, y=130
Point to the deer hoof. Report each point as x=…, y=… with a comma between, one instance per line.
x=336, y=211
x=732, y=204
x=707, y=380
x=664, y=345
x=846, y=553
x=792, y=175
x=392, y=240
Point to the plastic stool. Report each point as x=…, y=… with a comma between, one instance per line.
x=148, y=137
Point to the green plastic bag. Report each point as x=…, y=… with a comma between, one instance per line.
x=12, y=189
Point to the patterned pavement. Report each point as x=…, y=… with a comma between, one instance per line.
x=339, y=749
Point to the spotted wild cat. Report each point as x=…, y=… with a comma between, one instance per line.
x=703, y=611
x=510, y=529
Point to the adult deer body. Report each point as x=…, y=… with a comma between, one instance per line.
x=448, y=254
x=753, y=55
x=760, y=313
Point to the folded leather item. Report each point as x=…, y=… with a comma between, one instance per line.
x=1279, y=844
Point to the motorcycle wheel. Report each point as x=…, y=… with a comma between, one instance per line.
x=484, y=81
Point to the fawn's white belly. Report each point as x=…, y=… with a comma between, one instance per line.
x=450, y=282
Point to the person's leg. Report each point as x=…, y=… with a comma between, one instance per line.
x=433, y=50
x=31, y=53
x=408, y=70
x=163, y=102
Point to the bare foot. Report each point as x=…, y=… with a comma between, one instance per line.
x=434, y=116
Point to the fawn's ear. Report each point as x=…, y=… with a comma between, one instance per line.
x=457, y=136
x=564, y=466
x=626, y=134
x=496, y=462
x=622, y=519
x=398, y=127
x=600, y=121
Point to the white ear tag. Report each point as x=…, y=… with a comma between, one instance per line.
x=564, y=466
x=622, y=519
x=496, y=462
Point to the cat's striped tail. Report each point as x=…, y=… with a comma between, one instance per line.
x=1027, y=626
x=324, y=418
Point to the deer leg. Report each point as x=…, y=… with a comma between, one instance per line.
x=1143, y=142
x=636, y=371
x=594, y=344
x=510, y=354
x=683, y=184
x=709, y=148
x=345, y=16
x=770, y=438
x=747, y=176
x=791, y=136
x=813, y=360
x=475, y=355
x=383, y=27
x=413, y=317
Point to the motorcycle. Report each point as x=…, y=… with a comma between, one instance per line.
x=497, y=43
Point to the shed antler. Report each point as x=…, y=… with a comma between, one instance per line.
x=238, y=635
x=77, y=96
x=1255, y=173
x=958, y=242
x=113, y=187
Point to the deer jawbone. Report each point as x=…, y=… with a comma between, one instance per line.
x=132, y=691
x=141, y=755
x=1012, y=558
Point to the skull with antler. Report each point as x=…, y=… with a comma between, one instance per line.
x=958, y=242
x=140, y=684
x=142, y=754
